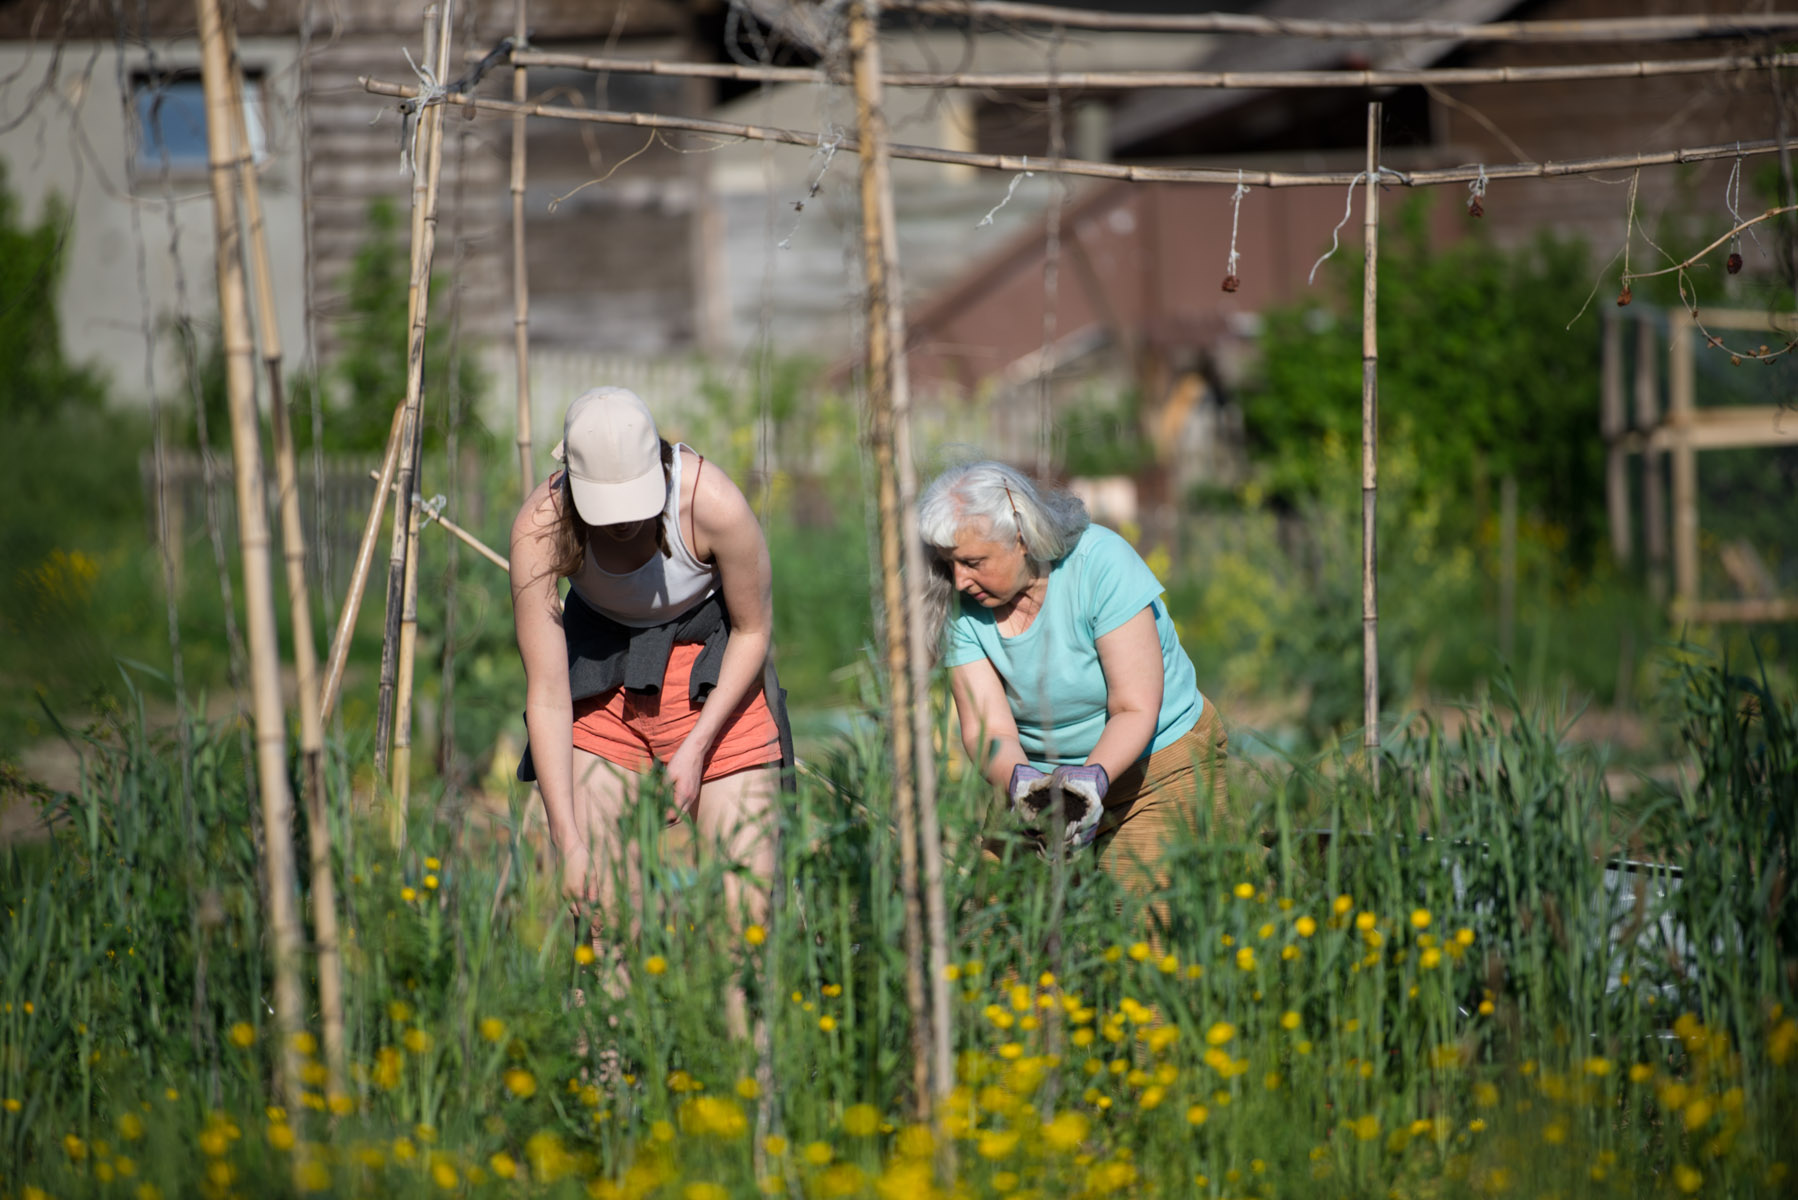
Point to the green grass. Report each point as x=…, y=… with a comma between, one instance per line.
x=1427, y=992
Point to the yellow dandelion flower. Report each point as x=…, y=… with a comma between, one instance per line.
x=827, y=1023
x=1169, y=964
x=408, y=894
x=1365, y=1128
x=861, y=1120
x=583, y=954
x=1687, y=1179
x=416, y=1040
x=1065, y=1131
x=655, y=964
x=1420, y=918
x=493, y=1029
x=1139, y=951
x=1197, y=1114
x=503, y=1165
x=775, y=1145
x=1342, y=905
x=1245, y=891
x=521, y=1083
x=818, y=1153
x=1430, y=959
x=1220, y=1033
x=748, y=1088
x=243, y=1035
x=431, y=885
x=280, y=1136
x=1289, y=1020
x=702, y=1190
x=755, y=935
x=997, y=1143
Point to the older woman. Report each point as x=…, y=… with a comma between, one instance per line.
x=657, y=656
x=1066, y=671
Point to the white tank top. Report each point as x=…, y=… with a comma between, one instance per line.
x=662, y=588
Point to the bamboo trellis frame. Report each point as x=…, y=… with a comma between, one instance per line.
x=1429, y=177
x=1184, y=80
x=1597, y=29
x=906, y=655
x=521, y=293
x=1370, y=454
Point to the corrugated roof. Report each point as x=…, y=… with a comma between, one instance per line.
x=1142, y=116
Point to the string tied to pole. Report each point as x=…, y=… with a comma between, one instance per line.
x=1010, y=191
x=1476, y=193
x=1348, y=207
x=830, y=139
x=1231, y=282
x=431, y=92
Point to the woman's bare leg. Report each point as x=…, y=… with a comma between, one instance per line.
x=605, y=875
x=735, y=819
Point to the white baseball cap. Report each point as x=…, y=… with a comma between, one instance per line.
x=613, y=456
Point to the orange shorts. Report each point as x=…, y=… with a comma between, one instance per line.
x=633, y=730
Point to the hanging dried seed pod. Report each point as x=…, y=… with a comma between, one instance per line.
x=1735, y=360
x=1475, y=208
x=1231, y=283
x=1734, y=264
x=1624, y=296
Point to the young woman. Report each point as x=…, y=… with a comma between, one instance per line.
x=657, y=656
x=1065, y=668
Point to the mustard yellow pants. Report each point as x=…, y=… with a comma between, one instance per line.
x=1154, y=802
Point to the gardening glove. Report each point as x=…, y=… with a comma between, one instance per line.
x=1088, y=784
x=1024, y=779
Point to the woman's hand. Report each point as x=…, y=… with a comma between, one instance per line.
x=686, y=771
x=576, y=857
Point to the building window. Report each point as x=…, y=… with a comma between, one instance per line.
x=171, y=121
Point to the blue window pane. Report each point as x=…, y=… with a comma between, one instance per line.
x=171, y=115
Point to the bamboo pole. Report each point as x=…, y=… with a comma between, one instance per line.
x=365, y=556
x=1370, y=453
x=521, y=294
x=424, y=240
x=1612, y=421
x=1430, y=177
x=1599, y=29
x=1684, y=459
x=253, y=542
x=1125, y=81
x=883, y=378
x=299, y=601
x=1654, y=505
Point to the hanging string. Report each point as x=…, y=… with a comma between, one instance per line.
x=1231, y=282
x=1009, y=192
x=1348, y=206
x=429, y=92
x=1732, y=199
x=829, y=150
x=1476, y=193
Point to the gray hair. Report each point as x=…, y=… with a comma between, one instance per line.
x=1001, y=500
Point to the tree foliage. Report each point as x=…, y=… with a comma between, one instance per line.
x=38, y=381
x=1478, y=368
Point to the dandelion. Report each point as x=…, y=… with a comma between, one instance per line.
x=1365, y=1128
x=704, y=1191
x=1289, y=1020
x=1139, y=951
x=827, y=1023
x=280, y=1136
x=1342, y=905
x=755, y=935
x=1197, y=1115
x=748, y=1088
x=1420, y=918
x=775, y=1145
x=493, y=1029
x=1220, y=1033
x=243, y=1035
x=861, y=1120
x=583, y=954
x=408, y=894
x=1245, y=891
x=818, y=1153
x=11, y=1104
x=521, y=1083
x=1687, y=1179
x=502, y=1165
x=655, y=964
x=76, y=1149
x=416, y=1040
x=1365, y=921
x=431, y=885
x=1065, y=1131
x=1430, y=959
x=951, y=971
x=432, y=863
x=997, y=1143
x=131, y=1127
x=1169, y=965
x=1245, y=958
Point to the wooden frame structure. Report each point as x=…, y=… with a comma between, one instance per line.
x=1680, y=433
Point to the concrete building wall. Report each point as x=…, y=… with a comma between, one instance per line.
x=138, y=251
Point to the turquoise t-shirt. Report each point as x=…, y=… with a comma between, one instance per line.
x=1053, y=680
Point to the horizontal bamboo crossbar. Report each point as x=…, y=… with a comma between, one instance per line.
x=1190, y=80
x=1612, y=29
x=1738, y=427
x=1713, y=612
x=1104, y=170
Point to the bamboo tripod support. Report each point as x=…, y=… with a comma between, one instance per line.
x=338, y=658
x=521, y=294
x=299, y=597
x=253, y=539
x=1370, y=455
x=400, y=638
